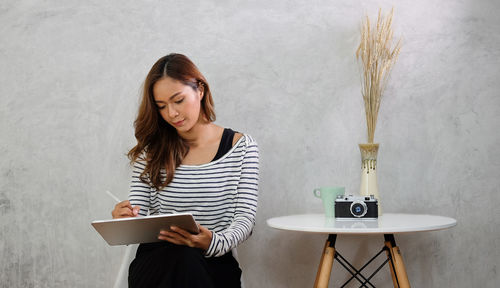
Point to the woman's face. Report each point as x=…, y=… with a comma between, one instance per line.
x=178, y=103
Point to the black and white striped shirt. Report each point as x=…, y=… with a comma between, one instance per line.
x=221, y=195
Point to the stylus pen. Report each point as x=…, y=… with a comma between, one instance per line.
x=113, y=196
x=118, y=200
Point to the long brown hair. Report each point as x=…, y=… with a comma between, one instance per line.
x=159, y=141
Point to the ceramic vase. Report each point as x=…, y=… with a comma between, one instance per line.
x=369, y=184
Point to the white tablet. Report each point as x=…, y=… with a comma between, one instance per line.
x=145, y=229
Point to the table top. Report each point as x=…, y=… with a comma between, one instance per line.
x=388, y=223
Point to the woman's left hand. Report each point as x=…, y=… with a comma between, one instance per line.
x=182, y=237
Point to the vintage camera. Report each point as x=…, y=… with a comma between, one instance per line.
x=356, y=207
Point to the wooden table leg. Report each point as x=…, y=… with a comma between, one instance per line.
x=326, y=263
x=398, y=271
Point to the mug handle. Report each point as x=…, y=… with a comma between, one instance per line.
x=317, y=193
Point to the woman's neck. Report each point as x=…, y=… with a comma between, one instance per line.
x=201, y=134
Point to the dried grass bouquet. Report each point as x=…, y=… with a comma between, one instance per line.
x=377, y=58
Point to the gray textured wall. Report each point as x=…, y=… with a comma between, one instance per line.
x=283, y=71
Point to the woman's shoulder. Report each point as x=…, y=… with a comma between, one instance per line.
x=244, y=139
x=247, y=138
x=142, y=159
x=237, y=137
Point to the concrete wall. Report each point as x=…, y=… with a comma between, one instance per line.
x=283, y=71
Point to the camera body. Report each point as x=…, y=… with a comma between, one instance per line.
x=356, y=207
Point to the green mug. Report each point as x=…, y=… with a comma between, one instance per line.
x=328, y=195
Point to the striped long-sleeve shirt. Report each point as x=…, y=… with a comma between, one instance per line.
x=221, y=195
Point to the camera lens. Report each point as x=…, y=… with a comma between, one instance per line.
x=358, y=209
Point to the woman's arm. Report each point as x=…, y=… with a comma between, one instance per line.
x=124, y=209
x=140, y=192
x=179, y=236
x=246, y=205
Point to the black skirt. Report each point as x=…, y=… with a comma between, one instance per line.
x=164, y=264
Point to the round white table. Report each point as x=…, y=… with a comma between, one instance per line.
x=387, y=224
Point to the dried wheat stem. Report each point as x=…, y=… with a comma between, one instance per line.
x=377, y=59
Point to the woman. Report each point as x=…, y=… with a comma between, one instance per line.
x=183, y=162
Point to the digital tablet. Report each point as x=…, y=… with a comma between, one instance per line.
x=144, y=229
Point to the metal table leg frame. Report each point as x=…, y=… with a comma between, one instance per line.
x=343, y=261
x=376, y=270
x=398, y=271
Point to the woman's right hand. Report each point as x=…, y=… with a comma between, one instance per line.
x=124, y=209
